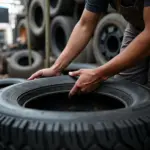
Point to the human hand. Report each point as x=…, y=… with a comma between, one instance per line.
x=89, y=80
x=48, y=72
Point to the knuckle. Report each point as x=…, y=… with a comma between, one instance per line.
x=78, y=85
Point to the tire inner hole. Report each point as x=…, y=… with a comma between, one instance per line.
x=54, y=3
x=82, y=103
x=38, y=16
x=4, y=85
x=60, y=38
x=112, y=43
x=24, y=61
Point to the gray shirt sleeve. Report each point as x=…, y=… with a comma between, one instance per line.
x=97, y=6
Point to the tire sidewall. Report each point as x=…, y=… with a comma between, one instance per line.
x=37, y=31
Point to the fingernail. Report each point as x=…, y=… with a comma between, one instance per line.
x=70, y=73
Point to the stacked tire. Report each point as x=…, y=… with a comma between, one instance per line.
x=19, y=67
x=64, y=15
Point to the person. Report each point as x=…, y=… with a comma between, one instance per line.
x=131, y=63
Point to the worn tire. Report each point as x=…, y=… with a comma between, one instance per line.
x=89, y=53
x=120, y=129
x=18, y=64
x=10, y=81
x=61, y=7
x=108, y=37
x=36, y=18
x=61, y=30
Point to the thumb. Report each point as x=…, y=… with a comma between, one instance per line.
x=75, y=73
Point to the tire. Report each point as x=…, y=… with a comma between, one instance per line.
x=61, y=7
x=44, y=125
x=77, y=66
x=36, y=17
x=18, y=66
x=89, y=53
x=108, y=37
x=79, y=1
x=61, y=30
x=9, y=82
x=4, y=56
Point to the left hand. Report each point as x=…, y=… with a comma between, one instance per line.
x=89, y=80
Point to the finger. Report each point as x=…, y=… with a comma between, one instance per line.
x=74, y=90
x=36, y=75
x=75, y=73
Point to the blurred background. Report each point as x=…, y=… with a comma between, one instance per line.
x=20, y=16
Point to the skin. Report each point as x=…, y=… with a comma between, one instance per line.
x=89, y=79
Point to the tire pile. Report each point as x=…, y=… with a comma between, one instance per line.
x=103, y=46
x=64, y=15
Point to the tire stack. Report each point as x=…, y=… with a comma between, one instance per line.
x=64, y=15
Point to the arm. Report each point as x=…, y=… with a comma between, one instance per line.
x=129, y=57
x=89, y=79
x=78, y=40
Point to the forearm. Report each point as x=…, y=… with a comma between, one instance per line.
x=137, y=50
x=77, y=42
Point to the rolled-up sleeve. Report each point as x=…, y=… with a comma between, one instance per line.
x=97, y=6
x=146, y=3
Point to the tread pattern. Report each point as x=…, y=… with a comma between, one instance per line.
x=17, y=134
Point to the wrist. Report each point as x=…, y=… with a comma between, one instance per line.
x=102, y=73
x=56, y=67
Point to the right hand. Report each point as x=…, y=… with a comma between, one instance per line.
x=44, y=73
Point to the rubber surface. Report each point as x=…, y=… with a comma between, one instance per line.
x=59, y=39
x=18, y=66
x=89, y=53
x=123, y=129
x=36, y=17
x=61, y=28
x=10, y=81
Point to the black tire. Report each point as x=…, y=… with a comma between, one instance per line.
x=78, y=66
x=61, y=7
x=9, y=82
x=61, y=30
x=89, y=53
x=19, y=67
x=4, y=56
x=85, y=129
x=36, y=18
x=108, y=37
x=79, y=1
